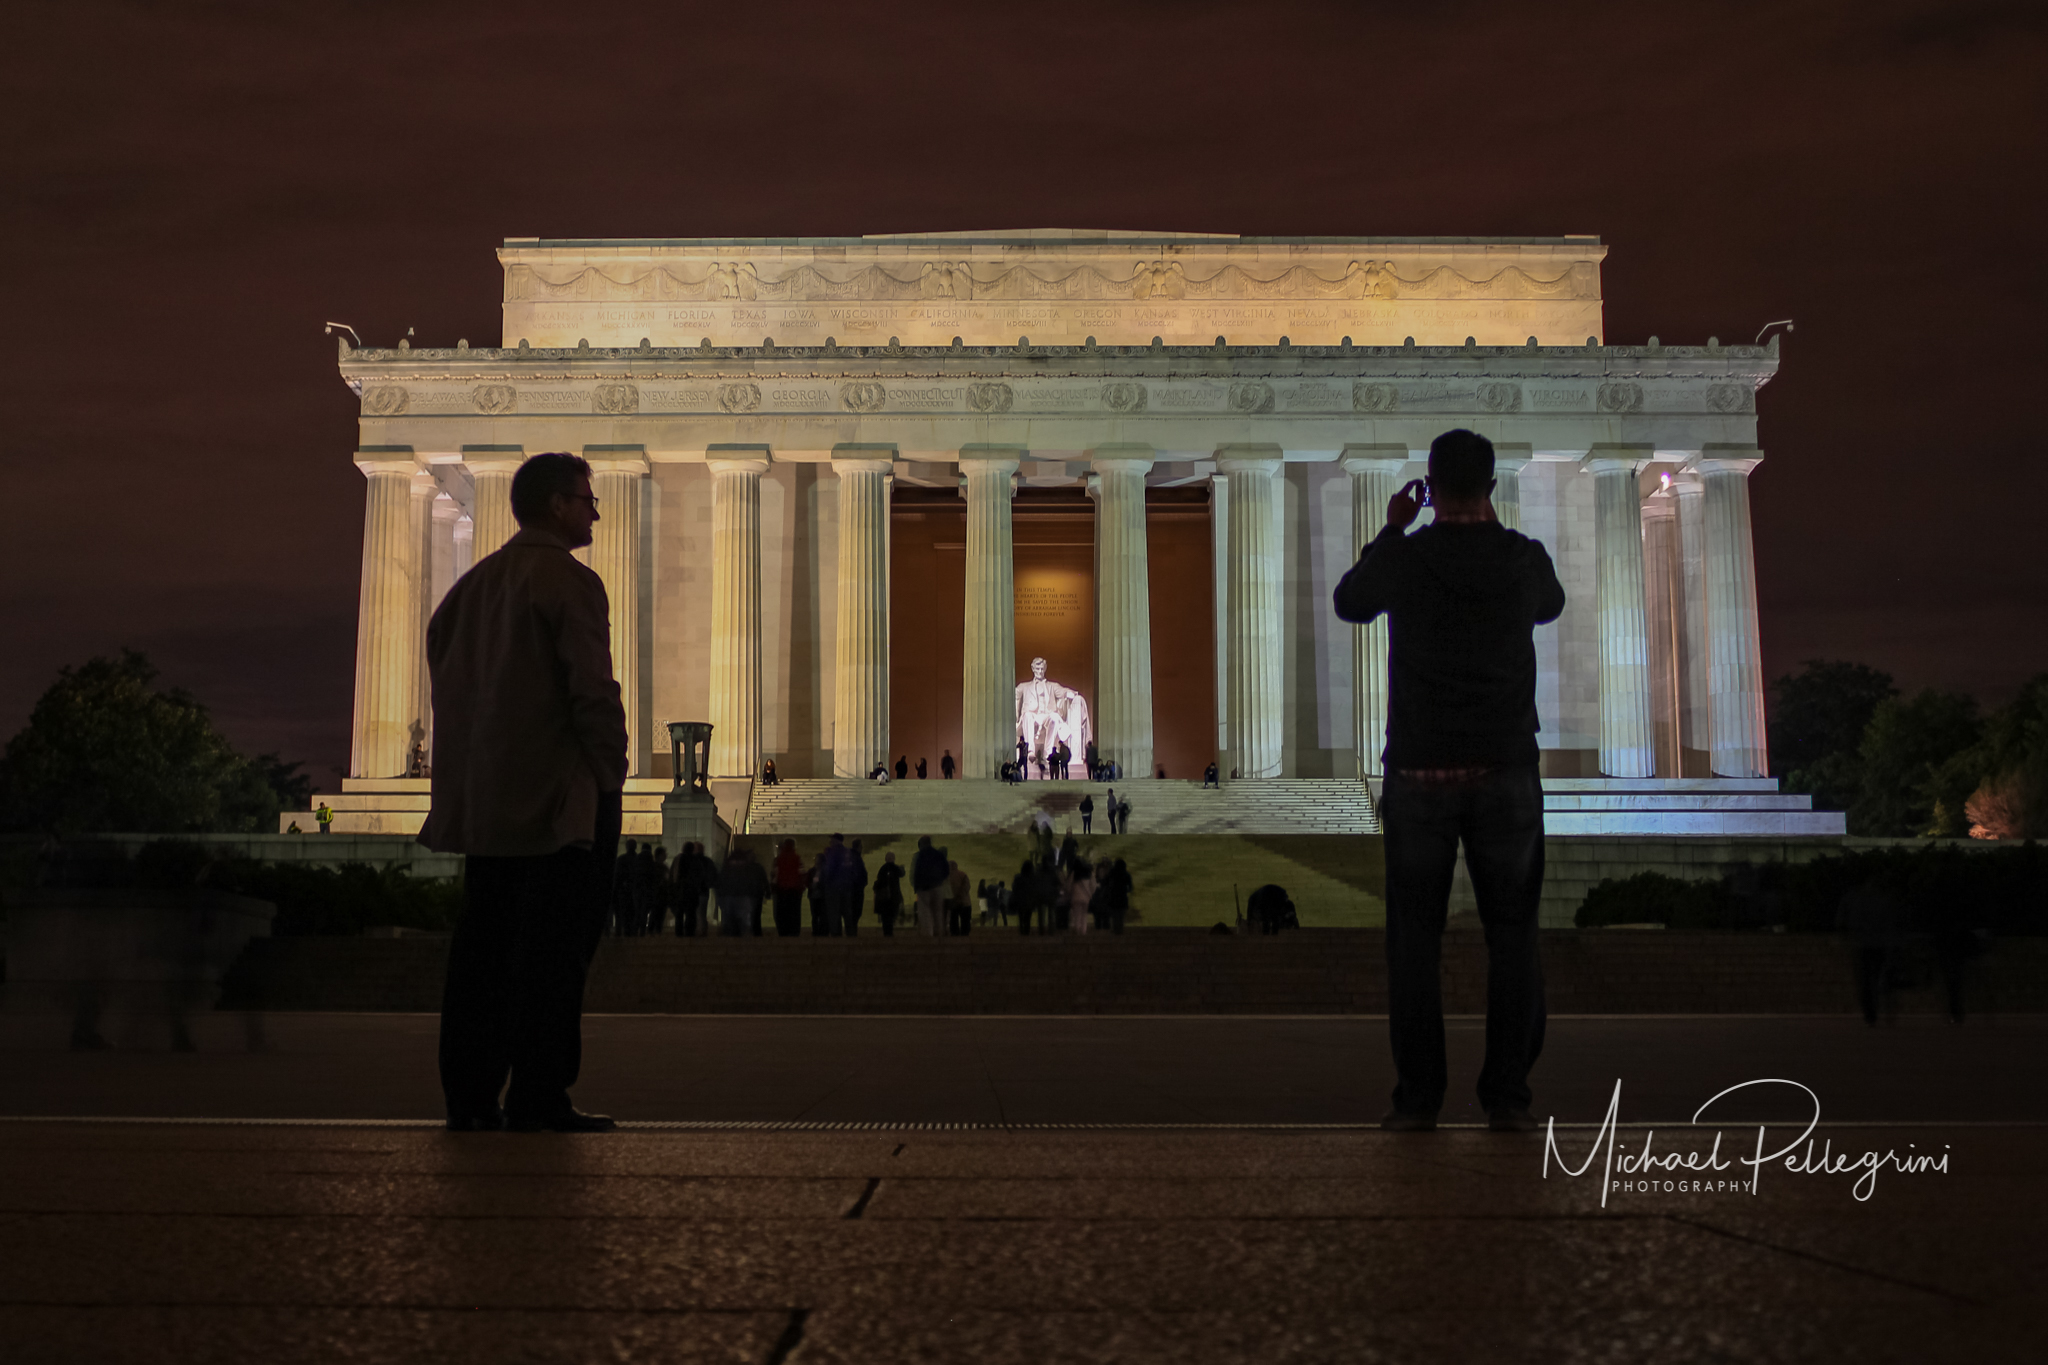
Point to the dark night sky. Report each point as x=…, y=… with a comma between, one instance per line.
x=190, y=189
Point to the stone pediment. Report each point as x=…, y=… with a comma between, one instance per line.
x=1057, y=289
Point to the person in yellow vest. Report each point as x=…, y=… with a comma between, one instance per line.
x=324, y=815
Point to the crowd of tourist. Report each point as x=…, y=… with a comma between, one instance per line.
x=1056, y=890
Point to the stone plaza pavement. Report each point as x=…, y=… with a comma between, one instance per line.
x=1015, y=1189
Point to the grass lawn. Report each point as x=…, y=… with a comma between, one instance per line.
x=1182, y=880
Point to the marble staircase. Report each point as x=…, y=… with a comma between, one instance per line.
x=1281, y=806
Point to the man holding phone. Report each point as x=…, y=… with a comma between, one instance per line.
x=1462, y=597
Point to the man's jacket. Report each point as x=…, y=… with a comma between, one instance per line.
x=528, y=726
x=1462, y=602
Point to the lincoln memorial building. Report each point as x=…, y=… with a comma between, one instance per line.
x=851, y=487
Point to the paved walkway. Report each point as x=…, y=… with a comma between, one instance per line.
x=210, y=1241
x=1009, y=1070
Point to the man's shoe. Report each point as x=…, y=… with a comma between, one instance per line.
x=1408, y=1121
x=1511, y=1119
x=490, y=1121
x=568, y=1121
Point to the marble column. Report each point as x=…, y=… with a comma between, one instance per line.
x=861, y=691
x=1255, y=564
x=1123, y=610
x=465, y=545
x=988, y=658
x=1510, y=458
x=1695, y=717
x=616, y=474
x=423, y=490
x=1219, y=597
x=387, y=618
x=1663, y=613
x=437, y=575
x=1735, y=679
x=1375, y=473
x=491, y=469
x=1627, y=741
x=736, y=608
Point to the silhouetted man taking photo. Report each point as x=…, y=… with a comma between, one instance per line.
x=529, y=763
x=1462, y=597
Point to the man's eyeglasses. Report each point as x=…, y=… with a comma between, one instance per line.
x=583, y=497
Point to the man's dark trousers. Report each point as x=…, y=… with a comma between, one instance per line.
x=513, y=1003
x=1499, y=818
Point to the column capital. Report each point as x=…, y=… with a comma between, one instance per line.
x=1248, y=459
x=1511, y=457
x=852, y=457
x=738, y=459
x=445, y=508
x=1660, y=506
x=497, y=459
x=1718, y=458
x=387, y=460
x=1618, y=458
x=1371, y=458
x=1687, y=483
x=1121, y=458
x=423, y=483
x=616, y=459
x=991, y=461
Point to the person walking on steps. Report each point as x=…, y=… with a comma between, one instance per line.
x=1462, y=597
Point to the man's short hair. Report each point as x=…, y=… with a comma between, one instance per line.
x=1461, y=464
x=540, y=479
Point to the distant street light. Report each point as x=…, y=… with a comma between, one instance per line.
x=1786, y=323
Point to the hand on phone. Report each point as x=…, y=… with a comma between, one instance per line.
x=1406, y=505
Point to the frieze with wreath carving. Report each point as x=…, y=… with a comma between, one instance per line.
x=1621, y=398
x=739, y=397
x=991, y=397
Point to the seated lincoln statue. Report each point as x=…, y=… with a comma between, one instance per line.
x=1048, y=713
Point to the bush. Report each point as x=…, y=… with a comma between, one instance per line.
x=1942, y=887
x=309, y=900
x=1654, y=898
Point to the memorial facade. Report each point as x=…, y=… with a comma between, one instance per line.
x=850, y=488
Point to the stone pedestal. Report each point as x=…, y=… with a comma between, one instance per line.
x=1627, y=743
x=988, y=660
x=1123, y=610
x=1254, y=613
x=861, y=693
x=1375, y=472
x=1735, y=680
x=736, y=610
x=388, y=635
x=691, y=817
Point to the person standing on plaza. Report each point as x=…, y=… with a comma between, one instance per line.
x=946, y=765
x=921, y=771
x=1123, y=815
x=888, y=893
x=739, y=899
x=324, y=814
x=1462, y=597
x=857, y=891
x=530, y=750
x=1088, y=814
x=1109, y=809
x=959, y=901
x=789, y=882
x=1024, y=897
x=928, y=875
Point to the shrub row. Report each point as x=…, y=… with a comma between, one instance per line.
x=1937, y=887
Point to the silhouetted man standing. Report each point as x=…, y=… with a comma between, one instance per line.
x=529, y=763
x=1463, y=597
